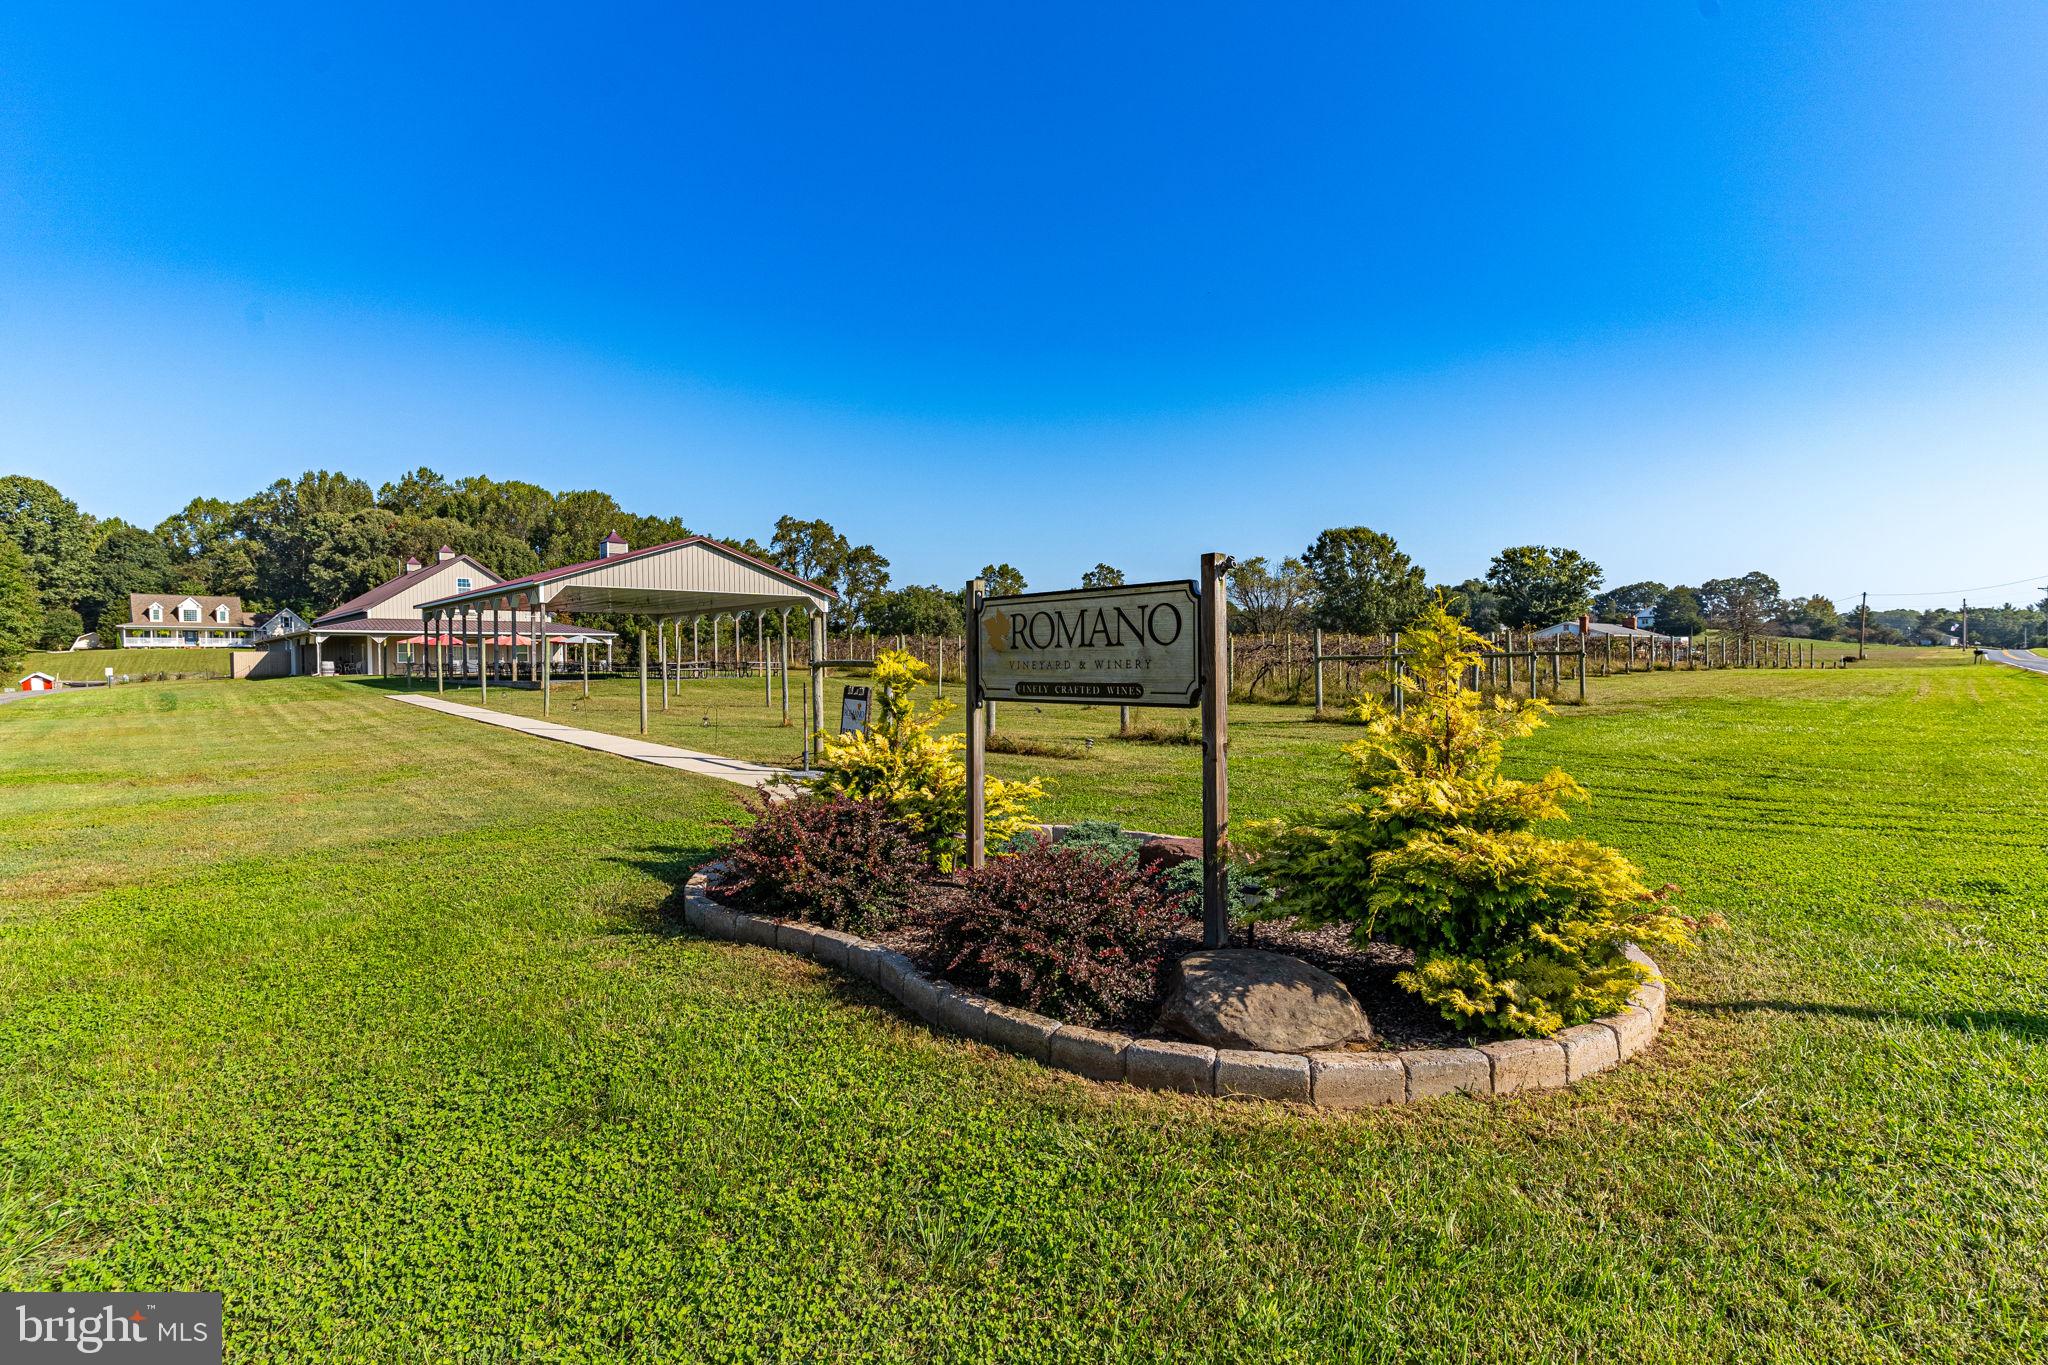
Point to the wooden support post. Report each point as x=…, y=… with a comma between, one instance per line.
x=1394, y=672
x=643, y=678
x=785, y=665
x=978, y=715
x=1318, y=637
x=661, y=633
x=767, y=669
x=441, y=652
x=1215, y=753
x=820, y=648
x=540, y=633
x=1582, y=669
x=586, y=666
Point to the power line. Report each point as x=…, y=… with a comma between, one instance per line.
x=1957, y=592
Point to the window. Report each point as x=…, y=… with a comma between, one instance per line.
x=462, y=585
x=189, y=611
x=156, y=611
x=220, y=613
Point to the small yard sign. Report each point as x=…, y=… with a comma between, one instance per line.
x=853, y=710
x=1137, y=646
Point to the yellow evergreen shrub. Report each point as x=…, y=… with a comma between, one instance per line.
x=1514, y=930
x=903, y=760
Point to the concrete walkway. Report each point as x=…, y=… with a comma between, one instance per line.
x=639, y=750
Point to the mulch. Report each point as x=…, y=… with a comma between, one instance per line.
x=1399, y=1020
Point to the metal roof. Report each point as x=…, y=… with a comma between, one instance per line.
x=360, y=604
x=693, y=576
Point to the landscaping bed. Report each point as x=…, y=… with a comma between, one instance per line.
x=1399, y=1020
x=1351, y=1077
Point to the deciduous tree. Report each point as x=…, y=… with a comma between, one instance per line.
x=1678, y=613
x=125, y=560
x=1541, y=585
x=1633, y=599
x=917, y=609
x=1363, y=583
x=21, y=610
x=54, y=537
x=1270, y=600
x=1741, y=606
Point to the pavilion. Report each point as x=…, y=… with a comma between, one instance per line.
x=692, y=580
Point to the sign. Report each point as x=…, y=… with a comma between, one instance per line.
x=1137, y=646
x=180, y=1327
x=853, y=710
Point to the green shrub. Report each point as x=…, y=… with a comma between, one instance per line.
x=1183, y=881
x=1514, y=931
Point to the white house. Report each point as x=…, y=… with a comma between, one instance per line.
x=284, y=621
x=169, y=621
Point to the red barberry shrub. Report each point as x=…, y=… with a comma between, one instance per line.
x=1064, y=931
x=826, y=860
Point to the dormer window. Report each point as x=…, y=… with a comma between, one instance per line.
x=156, y=611
x=220, y=613
x=188, y=611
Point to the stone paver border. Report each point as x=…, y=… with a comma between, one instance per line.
x=1330, y=1080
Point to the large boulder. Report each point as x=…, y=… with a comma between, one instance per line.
x=1162, y=851
x=1248, y=998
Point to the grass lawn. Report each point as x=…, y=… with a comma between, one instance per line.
x=91, y=665
x=371, y=1019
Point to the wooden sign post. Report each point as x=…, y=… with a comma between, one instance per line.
x=1142, y=644
x=1215, y=752
x=977, y=732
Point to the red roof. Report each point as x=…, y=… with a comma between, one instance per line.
x=567, y=570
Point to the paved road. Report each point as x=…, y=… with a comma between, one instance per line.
x=2018, y=658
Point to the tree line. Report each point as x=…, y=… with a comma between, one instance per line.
x=1355, y=580
x=311, y=542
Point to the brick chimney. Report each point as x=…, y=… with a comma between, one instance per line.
x=412, y=564
x=444, y=554
x=612, y=546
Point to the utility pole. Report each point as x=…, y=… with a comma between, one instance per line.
x=1966, y=623
x=1862, y=625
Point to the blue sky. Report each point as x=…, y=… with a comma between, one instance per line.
x=1694, y=287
